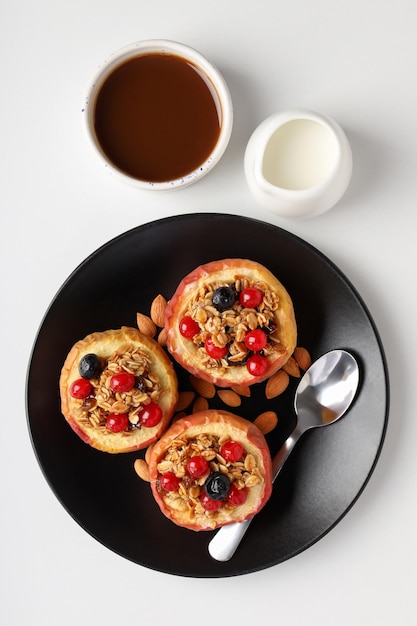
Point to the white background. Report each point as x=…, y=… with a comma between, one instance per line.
x=354, y=60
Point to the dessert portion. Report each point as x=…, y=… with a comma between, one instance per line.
x=118, y=390
x=210, y=469
x=231, y=322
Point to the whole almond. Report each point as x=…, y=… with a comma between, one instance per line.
x=229, y=397
x=162, y=338
x=142, y=469
x=303, y=358
x=266, y=421
x=184, y=400
x=242, y=390
x=158, y=307
x=148, y=452
x=179, y=415
x=200, y=404
x=277, y=384
x=292, y=368
x=146, y=325
x=203, y=387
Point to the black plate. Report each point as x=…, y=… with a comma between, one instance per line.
x=328, y=468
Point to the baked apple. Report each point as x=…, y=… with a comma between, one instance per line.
x=118, y=390
x=231, y=322
x=210, y=469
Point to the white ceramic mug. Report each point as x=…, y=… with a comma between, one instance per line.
x=212, y=77
x=298, y=163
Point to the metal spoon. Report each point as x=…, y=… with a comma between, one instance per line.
x=323, y=395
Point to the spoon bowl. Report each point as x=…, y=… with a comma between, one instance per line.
x=326, y=390
x=324, y=394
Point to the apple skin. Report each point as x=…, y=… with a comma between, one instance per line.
x=219, y=423
x=184, y=351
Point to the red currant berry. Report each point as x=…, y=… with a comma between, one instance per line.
x=237, y=496
x=255, y=340
x=208, y=504
x=231, y=451
x=189, y=327
x=214, y=351
x=170, y=482
x=257, y=365
x=197, y=466
x=251, y=297
x=81, y=388
x=150, y=415
x=117, y=422
x=123, y=381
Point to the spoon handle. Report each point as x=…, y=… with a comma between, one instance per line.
x=225, y=542
x=284, y=452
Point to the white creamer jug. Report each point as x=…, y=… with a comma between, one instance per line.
x=298, y=163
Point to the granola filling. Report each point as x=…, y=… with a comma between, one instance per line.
x=103, y=400
x=228, y=328
x=243, y=474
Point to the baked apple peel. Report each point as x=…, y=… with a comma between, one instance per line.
x=231, y=322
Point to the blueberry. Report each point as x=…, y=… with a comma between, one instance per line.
x=90, y=366
x=217, y=486
x=224, y=298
